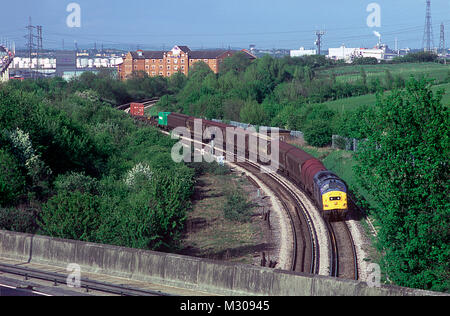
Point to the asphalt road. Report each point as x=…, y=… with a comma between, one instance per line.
x=8, y=291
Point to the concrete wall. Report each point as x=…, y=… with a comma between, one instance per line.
x=186, y=272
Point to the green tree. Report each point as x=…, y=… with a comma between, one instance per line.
x=237, y=63
x=317, y=133
x=253, y=113
x=404, y=165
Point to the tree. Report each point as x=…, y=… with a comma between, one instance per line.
x=404, y=165
x=237, y=63
x=18, y=220
x=253, y=113
x=318, y=133
x=232, y=109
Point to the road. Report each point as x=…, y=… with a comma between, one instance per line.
x=12, y=291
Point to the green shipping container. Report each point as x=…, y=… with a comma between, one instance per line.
x=163, y=118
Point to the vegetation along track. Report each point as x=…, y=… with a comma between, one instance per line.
x=343, y=258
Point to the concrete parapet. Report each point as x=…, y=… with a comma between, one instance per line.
x=181, y=271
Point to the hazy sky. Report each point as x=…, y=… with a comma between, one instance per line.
x=214, y=23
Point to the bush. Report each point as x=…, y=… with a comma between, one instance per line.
x=23, y=221
x=420, y=57
x=236, y=207
x=74, y=181
x=202, y=168
x=12, y=182
x=318, y=133
x=71, y=215
x=365, y=61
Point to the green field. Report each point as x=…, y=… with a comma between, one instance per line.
x=352, y=73
x=351, y=104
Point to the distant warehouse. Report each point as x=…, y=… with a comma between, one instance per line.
x=303, y=52
x=179, y=59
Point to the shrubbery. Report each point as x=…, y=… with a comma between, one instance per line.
x=420, y=57
x=74, y=167
x=71, y=215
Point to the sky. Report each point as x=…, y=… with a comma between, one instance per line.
x=158, y=24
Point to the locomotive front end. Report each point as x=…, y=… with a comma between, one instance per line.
x=333, y=195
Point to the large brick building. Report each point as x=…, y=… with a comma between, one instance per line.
x=179, y=59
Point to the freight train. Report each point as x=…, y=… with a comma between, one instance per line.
x=325, y=188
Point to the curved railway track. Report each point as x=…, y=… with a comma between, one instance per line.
x=305, y=249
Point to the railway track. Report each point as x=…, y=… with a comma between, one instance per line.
x=343, y=258
x=306, y=251
x=146, y=102
x=57, y=279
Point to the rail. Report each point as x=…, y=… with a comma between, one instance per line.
x=343, y=256
x=87, y=284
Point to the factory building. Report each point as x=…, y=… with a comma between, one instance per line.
x=303, y=52
x=380, y=52
x=166, y=63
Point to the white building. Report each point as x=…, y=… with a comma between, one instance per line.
x=303, y=52
x=24, y=63
x=342, y=53
x=349, y=54
x=50, y=63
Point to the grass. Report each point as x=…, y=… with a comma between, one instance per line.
x=351, y=104
x=351, y=73
x=219, y=238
